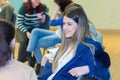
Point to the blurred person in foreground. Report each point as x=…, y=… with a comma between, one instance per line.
x=11, y=69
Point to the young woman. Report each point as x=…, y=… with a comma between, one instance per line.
x=32, y=14
x=45, y=38
x=97, y=37
x=11, y=69
x=76, y=55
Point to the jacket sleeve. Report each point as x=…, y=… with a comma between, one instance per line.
x=56, y=22
x=46, y=24
x=84, y=59
x=88, y=60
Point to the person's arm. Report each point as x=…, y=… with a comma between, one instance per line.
x=9, y=12
x=45, y=21
x=56, y=12
x=20, y=20
x=44, y=60
x=85, y=64
x=56, y=19
x=56, y=22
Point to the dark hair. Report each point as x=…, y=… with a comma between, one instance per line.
x=30, y=8
x=7, y=33
x=63, y=4
x=71, y=7
x=78, y=15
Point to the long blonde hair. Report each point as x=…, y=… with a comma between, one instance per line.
x=79, y=16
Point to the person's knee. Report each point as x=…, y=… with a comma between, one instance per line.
x=35, y=30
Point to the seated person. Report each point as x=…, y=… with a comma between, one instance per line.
x=76, y=55
x=32, y=14
x=54, y=22
x=11, y=69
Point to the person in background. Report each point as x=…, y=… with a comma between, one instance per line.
x=45, y=38
x=6, y=10
x=32, y=14
x=11, y=69
x=76, y=55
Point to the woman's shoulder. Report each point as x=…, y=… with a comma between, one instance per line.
x=25, y=69
x=22, y=10
x=81, y=47
x=17, y=71
x=21, y=65
x=95, y=43
x=15, y=65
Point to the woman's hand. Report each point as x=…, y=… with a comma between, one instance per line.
x=39, y=15
x=79, y=71
x=58, y=45
x=57, y=8
x=56, y=12
x=28, y=35
x=43, y=19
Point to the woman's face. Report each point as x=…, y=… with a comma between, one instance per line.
x=69, y=27
x=35, y=2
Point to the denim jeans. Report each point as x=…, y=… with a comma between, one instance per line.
x=41, y=38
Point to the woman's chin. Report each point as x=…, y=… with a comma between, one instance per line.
x=67, y=36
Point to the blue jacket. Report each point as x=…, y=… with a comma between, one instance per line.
x=56, y=22
x=82, y=57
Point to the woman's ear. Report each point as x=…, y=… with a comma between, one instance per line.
x=12, y=44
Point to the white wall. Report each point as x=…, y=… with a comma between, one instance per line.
x=105, y=14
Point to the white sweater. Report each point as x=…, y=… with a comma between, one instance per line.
x=16, y=70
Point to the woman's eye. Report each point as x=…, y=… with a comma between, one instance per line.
x=63, y=23
x=69, y=24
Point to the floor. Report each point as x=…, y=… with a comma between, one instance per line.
x=111, y=42
x=112, y=46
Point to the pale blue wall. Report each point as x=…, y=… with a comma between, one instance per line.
x=16, y=4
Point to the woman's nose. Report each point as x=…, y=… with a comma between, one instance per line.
x=65, y=26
